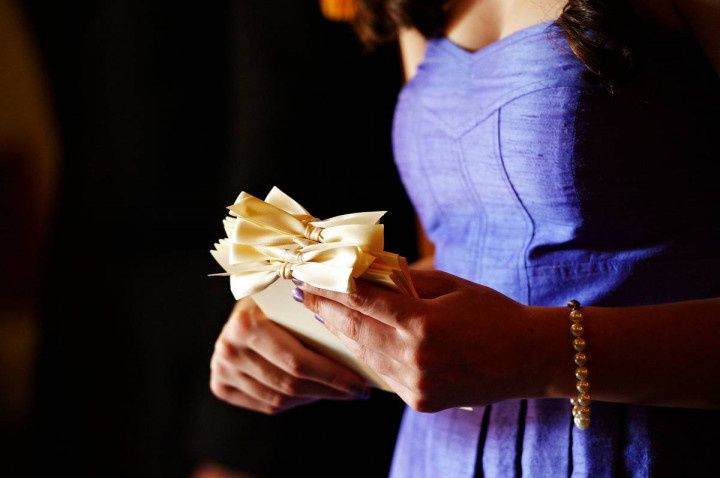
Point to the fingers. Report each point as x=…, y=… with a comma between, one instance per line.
x=384, y=305
x=271, y=405
x=380, y=363
x=259, y=365
x=250, y=363
x=287, y=353
x=362, y=329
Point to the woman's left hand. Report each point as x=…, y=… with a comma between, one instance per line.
x=459, y=344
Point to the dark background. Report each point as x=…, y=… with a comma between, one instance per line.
x=165, y=112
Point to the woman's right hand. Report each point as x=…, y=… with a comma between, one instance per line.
x=259, y=365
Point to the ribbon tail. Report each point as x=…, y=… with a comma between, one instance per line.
x=221, y=254
x=246, y=283
x=229, y=225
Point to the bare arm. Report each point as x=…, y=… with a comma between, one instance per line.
x=662, y=354
x=412, y=50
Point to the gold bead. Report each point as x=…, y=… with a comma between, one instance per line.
x=580, y=358
x=582, y=422
x=575, y=315
x=584, y=399
x=573, y=303
x=579, y=344
x=581, y=373
x=583, y=386
x=573, y=401
x=577, y=329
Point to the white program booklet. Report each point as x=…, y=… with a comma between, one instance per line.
x=277, y=303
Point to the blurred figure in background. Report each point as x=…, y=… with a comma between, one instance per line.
x=166, y=113
x=28, y=156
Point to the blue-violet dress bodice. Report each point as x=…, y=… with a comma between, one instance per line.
x=537, y=183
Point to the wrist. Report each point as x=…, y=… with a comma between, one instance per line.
x=551, y=368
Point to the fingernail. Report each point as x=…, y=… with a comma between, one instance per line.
x=298, y=295
x=297, y=282
x=318, y=318
x=361, y=393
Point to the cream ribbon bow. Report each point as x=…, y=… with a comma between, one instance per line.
x=278, y=238
x=328, y=266
x=280, y=220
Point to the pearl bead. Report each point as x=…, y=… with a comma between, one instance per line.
x=575, y=315
x=580, y=410
x=583, y=386
x=582, y=422
x=584, y=399
x=580, y=403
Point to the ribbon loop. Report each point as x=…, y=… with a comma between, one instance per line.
x=329, y=266
x=280, y=220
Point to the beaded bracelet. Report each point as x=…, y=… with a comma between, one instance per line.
x=581, y=403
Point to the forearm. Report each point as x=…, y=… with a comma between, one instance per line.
x=663, y=354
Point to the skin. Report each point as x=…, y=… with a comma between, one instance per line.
x=464, y=344
x=259, y=365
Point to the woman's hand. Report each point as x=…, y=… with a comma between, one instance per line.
x=460, y=344
x=259, y=365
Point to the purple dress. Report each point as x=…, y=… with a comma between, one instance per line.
x=534, y=182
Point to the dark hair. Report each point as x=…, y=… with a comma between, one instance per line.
x=599, y=32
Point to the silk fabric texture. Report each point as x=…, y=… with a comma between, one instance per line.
x=536, y=183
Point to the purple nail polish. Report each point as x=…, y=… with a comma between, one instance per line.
x=297, y=282
x=298, y=295
x=319, y=319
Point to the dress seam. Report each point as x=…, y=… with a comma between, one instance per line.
x=494, y=107
x=527, y=217
x=478, y=226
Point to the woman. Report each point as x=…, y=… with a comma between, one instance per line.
x=553, y=152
